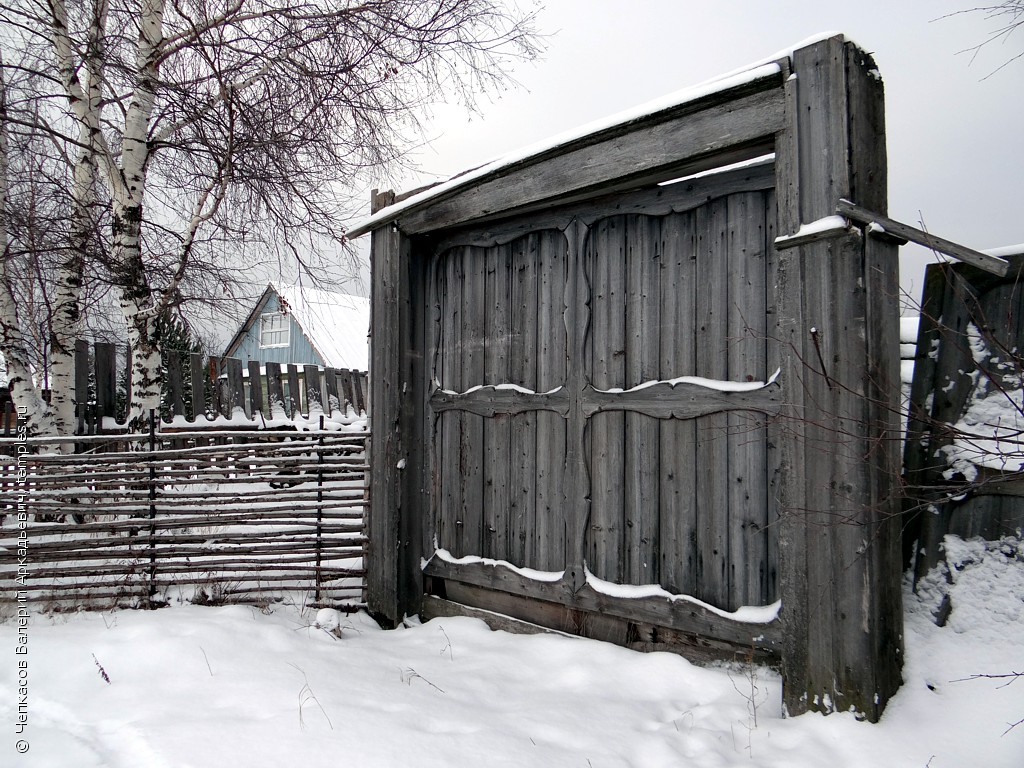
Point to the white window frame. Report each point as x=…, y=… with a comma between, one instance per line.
x=275, y=330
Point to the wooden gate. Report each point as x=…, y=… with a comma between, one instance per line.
x=627, y=388
x=675, y=481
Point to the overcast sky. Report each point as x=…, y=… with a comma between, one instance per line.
x=955, y=138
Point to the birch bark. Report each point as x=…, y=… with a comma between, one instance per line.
x=31, y=407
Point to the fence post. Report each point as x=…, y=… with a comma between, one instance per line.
x=319, y=507
x=153, y=502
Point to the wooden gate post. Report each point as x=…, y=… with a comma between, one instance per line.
x=393, y=574
x=837, y=337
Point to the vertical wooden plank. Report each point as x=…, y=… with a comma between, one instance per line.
x=606, y=255
x=256, y=405
x=235, y=400
x=106, y=378
x=383, y=548
x=786, y=354
x=275, y=391
x=359, y=388
x=552, y=509
x=747, y=333
x=497, y=445
x=712, y=484
x=333, y=399
x=415, y=490
x=774, y=436
x=851, y=657
x=198, y=385
x=314, y=390
x=678, y=493
x=173, y=382
x=470, y=533
x=523, y=370
x=81, y=372
x=293, y=402
x=577, y=481
x=433, y=301
x=450, y=426
x=641, y=500
x=883, y=402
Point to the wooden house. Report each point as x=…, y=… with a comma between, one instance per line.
x=641, y=383
x=304, y=326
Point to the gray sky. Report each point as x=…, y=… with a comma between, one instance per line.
x=955, y=139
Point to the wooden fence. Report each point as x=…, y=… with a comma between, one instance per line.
x=202, y=389
x=964, y=453
x=201, y=516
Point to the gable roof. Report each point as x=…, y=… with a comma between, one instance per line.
x=335, y=324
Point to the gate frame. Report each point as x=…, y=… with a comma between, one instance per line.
x=821, y=110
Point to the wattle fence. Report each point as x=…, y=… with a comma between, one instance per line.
x=202, y=516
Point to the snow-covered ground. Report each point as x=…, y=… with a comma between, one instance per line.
x=200, y=686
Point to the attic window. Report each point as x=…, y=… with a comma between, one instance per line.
x=274, y=330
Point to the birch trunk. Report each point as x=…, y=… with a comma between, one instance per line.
x=66, y=322
x=32, y=409
x=138, y=303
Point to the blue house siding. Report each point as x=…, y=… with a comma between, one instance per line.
x=298, y=351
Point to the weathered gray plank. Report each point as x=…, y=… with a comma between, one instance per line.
x=678, y=494
x=683, y=615
x=314, y=390
x=747, y=361
x=641, y=500
x=663, y=149
x=173, y=369
x=892, y=227
x=105, y=356
x=255, y=389
x=234, y=391
x=81, y=372
x=293, y=402
x=522, y=547
x=655, y=201
x=683, y=400
x=492, y=400
x=383, y=561
x=712, y=487
x=606, y=255
x=474, y=332
x=450, y=424
x=275, y=391
x=198, y=381
x=333, y=396
x=551, y=427
x=497, y=438
x=772, y=433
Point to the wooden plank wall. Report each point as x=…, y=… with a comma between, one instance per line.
x=500, y=322
x=970, y=347
x=501, y=475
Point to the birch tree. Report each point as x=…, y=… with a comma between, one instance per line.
x=228, y=127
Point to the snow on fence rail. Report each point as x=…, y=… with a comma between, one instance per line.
x=201, y=516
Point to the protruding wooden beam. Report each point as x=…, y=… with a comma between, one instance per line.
x=892, y=227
